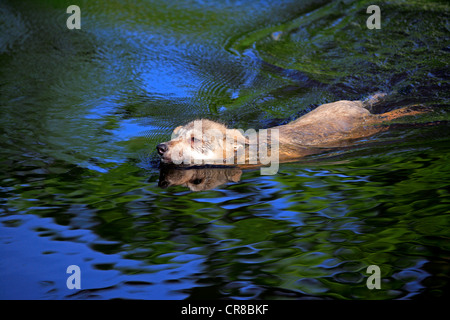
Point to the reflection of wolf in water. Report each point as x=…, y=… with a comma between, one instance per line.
x=197, y=179
x=330, y=125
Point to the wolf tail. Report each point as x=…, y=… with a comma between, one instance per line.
x=405, y=111
x=377, y=100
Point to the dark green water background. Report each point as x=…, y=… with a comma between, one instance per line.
x=81, y=112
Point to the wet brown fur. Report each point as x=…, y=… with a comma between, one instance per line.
x=333, y=125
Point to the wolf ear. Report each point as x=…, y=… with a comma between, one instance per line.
x=175, y=131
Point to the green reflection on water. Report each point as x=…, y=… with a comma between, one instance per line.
x=81, y=113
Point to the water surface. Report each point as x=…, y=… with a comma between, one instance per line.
x=81, y=112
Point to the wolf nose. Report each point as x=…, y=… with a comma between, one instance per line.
x=161, y=148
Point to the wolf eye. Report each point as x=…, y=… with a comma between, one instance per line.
x=194, y=140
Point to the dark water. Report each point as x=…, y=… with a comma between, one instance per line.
x=82, y=111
